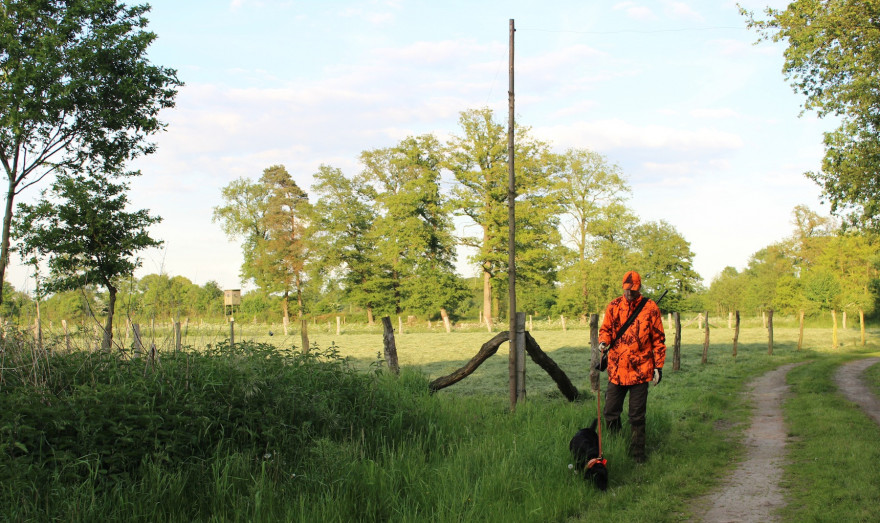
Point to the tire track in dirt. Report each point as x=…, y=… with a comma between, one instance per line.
x=752, y=492
x=849, y=381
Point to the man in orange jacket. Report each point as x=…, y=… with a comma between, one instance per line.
x=635, y=360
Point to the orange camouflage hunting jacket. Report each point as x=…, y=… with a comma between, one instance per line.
x=641, y=349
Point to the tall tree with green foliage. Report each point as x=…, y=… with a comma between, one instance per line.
x=83, y=229
x=666, y=262
x=592, y=193
x=271, y=217
x=284, y=253
x=413, y=229
x=832, y=58
x=478, y=160
x=242, y=216
x=77, y=92
x=340, y=239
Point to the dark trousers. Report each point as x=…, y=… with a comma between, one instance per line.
x=638, y=405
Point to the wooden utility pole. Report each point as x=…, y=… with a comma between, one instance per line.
x=513, y=364
x=594, y=353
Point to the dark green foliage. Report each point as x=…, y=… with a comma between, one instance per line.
x=94, y=414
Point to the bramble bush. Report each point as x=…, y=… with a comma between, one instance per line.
x=80, y=414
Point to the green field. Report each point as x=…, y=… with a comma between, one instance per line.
x=265, y=435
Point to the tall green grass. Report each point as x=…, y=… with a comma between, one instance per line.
x=258, y=433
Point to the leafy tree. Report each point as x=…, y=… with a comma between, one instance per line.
x=413, y=228
x=341, y=243
x=83, y=229
x=726, y=291
x=665, y=261
x=271, y=216
x=589, y=189
x=242, y=216
x=281, y=257
x=77, y=92
x=478, y=160
x=832, y=58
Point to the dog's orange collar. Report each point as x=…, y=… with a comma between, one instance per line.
x=595, y=461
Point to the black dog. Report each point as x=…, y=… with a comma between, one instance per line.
x=584, y=446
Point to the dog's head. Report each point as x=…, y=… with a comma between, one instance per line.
x=584, y=447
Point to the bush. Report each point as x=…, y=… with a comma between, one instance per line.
x=109, y=416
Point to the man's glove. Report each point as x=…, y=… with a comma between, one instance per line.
x=658, y=375
x=603, y=347
x=602, y=364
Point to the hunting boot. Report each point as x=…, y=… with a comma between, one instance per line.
x=637, y=443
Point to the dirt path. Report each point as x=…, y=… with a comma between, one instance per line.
x=849, y=381
x=752, y=492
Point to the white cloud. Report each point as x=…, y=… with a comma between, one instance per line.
x=634, y=10
x=714, y=113
x=620, y=134
x=683, y=10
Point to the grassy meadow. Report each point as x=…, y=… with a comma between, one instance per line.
x=261, y=432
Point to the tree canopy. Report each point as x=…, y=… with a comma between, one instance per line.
x=77, y=91
x=83, y=229
x=832, y=58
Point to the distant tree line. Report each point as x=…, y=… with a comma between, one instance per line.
x=819, y=268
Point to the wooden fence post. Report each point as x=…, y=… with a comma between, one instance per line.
x=800, y=330
x=562, y=320
x=232, y=332
x=284, y=322
x=844, y=320
x=338, y=326
x=736, y=335
x=531, y=325
x=304, y=334
x=177, y=336
x=66, y=335
x=862, y=325
x=390, y=345
x=676, y=346
x=770, y=332
x=520, y=356
x=729, y=319
x=594, y=353
x=834, y=329
x=138, y=341
x=399, y=328
x=706, y=341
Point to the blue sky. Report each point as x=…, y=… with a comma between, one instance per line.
x=701, y=121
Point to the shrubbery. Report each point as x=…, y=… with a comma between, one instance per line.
x=69, y=416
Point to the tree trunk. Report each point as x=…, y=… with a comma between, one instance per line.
x=487, y=300
x=4, y=246
x=370, y=319
x=801, y=330
x=107, y=340
x=446, y=323
x=285, y=306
